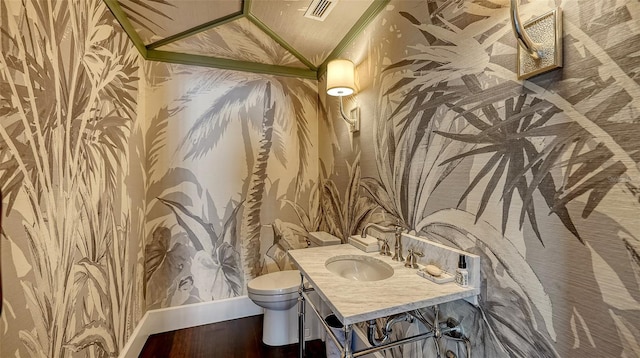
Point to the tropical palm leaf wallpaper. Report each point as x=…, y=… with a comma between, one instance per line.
x=130, y=186
x=109, y=215
x=72, y=174
x=227, y=188
x=540, y=178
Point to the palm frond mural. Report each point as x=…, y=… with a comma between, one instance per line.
x=66, y=123
x=508, y=140
x=457, y=137
x=267, y=167
x=423, y=82
x=409, y=166
x=292, y=95
x=286, y=236
x=517, y=293
x=197, y=259
x=250, y=230
x=513, y=139
x=344, y=215
x=308, y=215
x=147, y=14
x=215, y=259
x=291, y=235
x=284, y=113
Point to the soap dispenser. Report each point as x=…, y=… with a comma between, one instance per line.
x=462, y=275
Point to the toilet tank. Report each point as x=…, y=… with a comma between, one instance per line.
x=322, y=238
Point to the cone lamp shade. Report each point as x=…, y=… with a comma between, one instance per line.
x=340, y=78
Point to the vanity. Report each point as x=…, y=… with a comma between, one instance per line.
x=360, y=287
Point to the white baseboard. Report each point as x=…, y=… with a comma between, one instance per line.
x=197, y=314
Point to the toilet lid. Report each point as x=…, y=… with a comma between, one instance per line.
x=275, y=283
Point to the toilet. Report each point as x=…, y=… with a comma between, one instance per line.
x=277, y=293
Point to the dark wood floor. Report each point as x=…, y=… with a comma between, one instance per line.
x=239, y=338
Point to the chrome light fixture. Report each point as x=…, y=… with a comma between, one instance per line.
x=539, y=42
x=340, y=83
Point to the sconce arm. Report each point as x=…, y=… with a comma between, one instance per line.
x=524, y=40
x=354, y=123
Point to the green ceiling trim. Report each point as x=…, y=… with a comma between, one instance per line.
x=196, y=29
x=374, y=9
x=149, y=52
x=227, y=64
x=122, y=18
x=280, y=41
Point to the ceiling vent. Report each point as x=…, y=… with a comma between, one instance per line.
x=320, y=9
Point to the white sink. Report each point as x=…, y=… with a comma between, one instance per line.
x=359, y=267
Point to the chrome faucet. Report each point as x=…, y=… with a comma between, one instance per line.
x=379, y=227
x=397, y=255
x=384, y=249
x=411, y=258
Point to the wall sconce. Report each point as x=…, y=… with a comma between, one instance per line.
x=539, y=42
x=341, y=82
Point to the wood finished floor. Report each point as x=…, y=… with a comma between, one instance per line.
x=239, y=338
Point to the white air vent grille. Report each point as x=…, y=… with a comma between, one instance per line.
x=320, y=9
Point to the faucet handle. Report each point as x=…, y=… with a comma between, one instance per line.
x=385, y=250
x=411, y=258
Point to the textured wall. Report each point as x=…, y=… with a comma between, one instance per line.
x=540, y=178
x=232, y=162
x=222, y=173
x=71, y=178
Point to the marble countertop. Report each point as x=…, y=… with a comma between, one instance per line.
x=359, y=301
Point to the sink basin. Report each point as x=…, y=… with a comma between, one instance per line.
x=359, y=267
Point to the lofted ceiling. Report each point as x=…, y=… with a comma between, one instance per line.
x=264, y=36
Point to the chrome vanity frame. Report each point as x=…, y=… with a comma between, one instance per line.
x=345, y=350
x=411, y=295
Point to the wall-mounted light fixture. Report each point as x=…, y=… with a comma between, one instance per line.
x=341, y=82
x=539, y=42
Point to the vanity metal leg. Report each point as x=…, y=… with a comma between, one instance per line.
x=437, y=333
x=348, y=337
x=301, y=312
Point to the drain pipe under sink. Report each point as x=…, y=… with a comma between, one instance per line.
x=387, y=330
x=449, y=329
